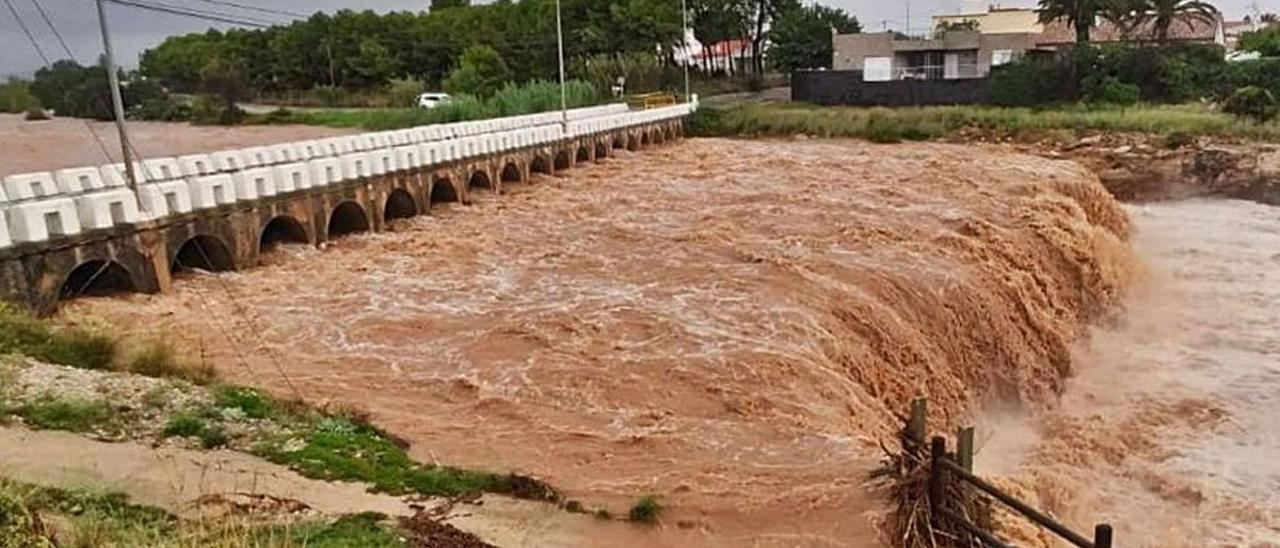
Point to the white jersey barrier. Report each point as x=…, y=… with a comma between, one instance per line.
x=35, y=207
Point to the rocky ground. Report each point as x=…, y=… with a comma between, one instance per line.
x=1138, y=167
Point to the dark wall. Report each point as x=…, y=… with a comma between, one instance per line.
x=845, y=87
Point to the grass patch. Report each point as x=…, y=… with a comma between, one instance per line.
x=73, y=415
x=341, y=449
x=157, y=359
x=645, y=510
x=184, y=425
x=20, y=333
x=919, y=123
x=250, y=402
x=88, y=518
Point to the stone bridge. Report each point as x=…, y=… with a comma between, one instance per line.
x=82, y=232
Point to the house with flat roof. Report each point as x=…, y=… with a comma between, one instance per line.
x=968, y=45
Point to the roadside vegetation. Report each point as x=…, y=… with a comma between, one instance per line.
x=44, y=517
x=884, y=125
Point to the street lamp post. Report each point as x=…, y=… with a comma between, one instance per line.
x=684, y=39
x=564, y=98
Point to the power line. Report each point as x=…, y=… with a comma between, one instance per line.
x=44, y=15
x=31, y=37
x=209, y=12
x=254, y=8
x=189, y=13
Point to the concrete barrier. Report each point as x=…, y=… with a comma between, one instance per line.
x=382, y=161
x=195, y=165
x=310, y=150
x=356, y=166
x=325, y=171
x=79, y=180
x=286, y=153
x=292, y=177
x=409, y=157
x=255, y=183
x=161, y=169
x=5, y=239
x=107, y=208
x=165, y=198
x=228, y=161
x=211, y=191
x=40, y=220
x=30, y=186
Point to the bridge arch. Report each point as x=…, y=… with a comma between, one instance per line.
x=644, y=138
x=511, y=173
x=443, y=191
x=540, y=165
x=562, y=160
x=479, y=179
x=632, y=143
x=347, y=218
x=399, y=205
x=282, y=229
x=618, y=142
x=584, y=154
x=204, y=252
x=96, y=278
x=602, y=151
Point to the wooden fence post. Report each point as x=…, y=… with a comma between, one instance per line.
x=1102, y=536
x=917, y=425
x=964, y=449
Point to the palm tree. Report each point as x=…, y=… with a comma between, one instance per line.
x=1163, y=13
x=1080, y=14
x=1124, y=15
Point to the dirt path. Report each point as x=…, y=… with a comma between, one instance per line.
x=192, y=484
x=67, y=142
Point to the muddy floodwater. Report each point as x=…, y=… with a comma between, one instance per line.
x=1171, y=430
x=729, y=325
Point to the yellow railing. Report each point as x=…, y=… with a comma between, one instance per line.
x=647, y=101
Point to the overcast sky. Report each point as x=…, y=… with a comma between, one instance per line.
x=134, y=31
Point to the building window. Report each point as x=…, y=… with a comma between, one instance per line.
x=1001, y=57
x=877, y=69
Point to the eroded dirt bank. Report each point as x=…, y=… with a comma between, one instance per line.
x=727, y=324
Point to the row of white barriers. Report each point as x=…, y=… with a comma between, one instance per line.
x=35, y=207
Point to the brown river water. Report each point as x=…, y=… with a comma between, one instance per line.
x=733, y=325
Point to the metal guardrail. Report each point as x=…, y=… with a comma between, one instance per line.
x=944, y=469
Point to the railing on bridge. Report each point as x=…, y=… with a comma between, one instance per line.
x=646, y=101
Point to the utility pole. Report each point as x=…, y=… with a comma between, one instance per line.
x=688, y=52
x=116, y=101
x=908, y=33
x=564, y=100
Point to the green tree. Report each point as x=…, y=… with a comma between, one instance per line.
x=1265, y=41
x=1124, y=15
x=1080, y=14
x=446, y=4
x=481, y=72
x=802, y=37
x=1163, y=14
x=223, y=78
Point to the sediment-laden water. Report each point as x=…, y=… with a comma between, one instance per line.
x=731, y=325
x=1171, y=430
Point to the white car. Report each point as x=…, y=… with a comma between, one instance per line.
x=432, y=100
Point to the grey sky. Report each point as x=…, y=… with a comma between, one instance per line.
x=135, y=30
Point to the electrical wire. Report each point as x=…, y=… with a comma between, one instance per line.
x=190, y=13
x=31, y=37
x=254, y=8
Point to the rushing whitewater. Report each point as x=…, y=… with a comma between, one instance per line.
x=731, y=325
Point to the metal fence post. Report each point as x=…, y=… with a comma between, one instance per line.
x=1102, y=536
